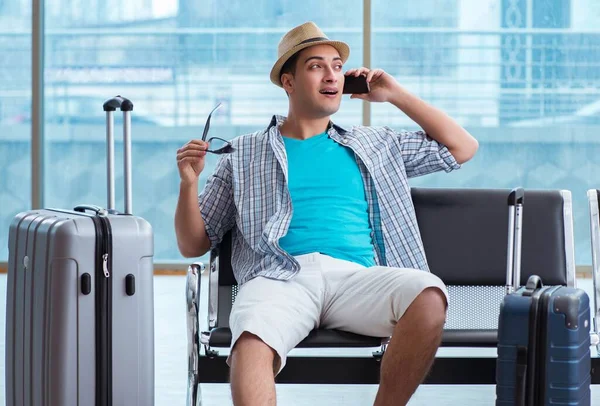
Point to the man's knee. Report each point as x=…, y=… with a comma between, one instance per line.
x=250, y=345
x=434, y=297
x=248, y=342
x=429, y=307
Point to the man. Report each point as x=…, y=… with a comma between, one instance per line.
x=324, y=231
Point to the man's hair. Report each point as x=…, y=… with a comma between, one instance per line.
x=290, y=65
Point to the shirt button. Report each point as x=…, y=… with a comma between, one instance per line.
x=344, y=140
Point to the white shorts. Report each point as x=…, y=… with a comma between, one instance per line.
x=327, y=293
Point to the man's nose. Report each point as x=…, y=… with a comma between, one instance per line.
x=330, y=76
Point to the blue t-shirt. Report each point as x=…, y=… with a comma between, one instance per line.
x=330, y=211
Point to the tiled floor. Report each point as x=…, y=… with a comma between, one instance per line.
x=171, y=365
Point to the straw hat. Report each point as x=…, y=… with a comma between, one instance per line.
x=298, y=38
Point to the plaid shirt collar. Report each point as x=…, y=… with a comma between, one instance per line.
x=278, y=120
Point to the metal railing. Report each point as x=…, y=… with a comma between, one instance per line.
x=484, y=78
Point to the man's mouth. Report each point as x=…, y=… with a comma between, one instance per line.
x=329, y=92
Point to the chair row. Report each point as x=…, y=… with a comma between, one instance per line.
x=465, y=235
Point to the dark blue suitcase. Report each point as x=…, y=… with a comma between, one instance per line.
x=544, y=347
x=543, y=336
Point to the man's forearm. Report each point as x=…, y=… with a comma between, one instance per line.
x=437, y=124
x=192, y=239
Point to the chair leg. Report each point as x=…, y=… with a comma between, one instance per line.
x=194, y=394
x=378, y=355
x=194, y=391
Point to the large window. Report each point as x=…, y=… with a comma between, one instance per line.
x=175, y=61
x=15, y=107
x=522, y=75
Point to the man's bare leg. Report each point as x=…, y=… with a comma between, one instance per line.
x=252, y=372
x=412, y=349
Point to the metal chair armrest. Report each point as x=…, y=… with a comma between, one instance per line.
x=594, y=211
x=193, y=331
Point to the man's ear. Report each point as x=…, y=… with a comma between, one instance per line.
x=287, y=80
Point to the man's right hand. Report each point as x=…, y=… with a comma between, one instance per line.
x=190, y=161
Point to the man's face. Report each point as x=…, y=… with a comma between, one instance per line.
x=316, y=88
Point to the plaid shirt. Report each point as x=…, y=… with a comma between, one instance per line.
x=248, y=193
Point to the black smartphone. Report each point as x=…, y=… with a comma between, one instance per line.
x=355, y=84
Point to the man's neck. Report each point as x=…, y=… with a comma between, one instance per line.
x=303, y=128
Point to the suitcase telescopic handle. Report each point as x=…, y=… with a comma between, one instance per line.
x=118, y=102
x=516, y=198
x=126, y=106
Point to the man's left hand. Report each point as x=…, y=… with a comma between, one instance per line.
x=381, y=84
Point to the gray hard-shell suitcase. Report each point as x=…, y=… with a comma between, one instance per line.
x=80, y=313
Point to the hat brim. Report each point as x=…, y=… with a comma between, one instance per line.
x=342, y=48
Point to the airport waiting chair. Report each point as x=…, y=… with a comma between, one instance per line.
x=464, y=232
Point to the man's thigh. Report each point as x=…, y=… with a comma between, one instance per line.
x=280, y=313
x=371, y=301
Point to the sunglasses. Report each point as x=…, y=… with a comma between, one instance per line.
x=221, y=146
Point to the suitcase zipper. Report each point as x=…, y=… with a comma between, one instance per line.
x=109, y=313
x=543, y=314
x=107, y=306
x=103, y=312
x=536, y=363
